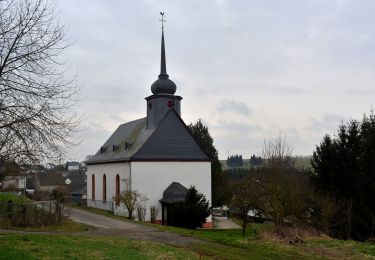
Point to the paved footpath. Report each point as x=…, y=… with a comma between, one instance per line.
x=113, y=227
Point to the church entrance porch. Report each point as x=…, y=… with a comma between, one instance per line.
x=172, y=200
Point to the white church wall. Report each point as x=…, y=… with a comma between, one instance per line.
x=110, y=170
x=152, y=178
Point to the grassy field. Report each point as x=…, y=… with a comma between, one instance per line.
x=67, y=226
x=224, y=244
x=216, y=244
x=41, y=246
x=5, y=197
x=230, y=244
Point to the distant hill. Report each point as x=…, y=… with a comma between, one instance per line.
x=302, y=162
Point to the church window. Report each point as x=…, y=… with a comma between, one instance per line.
x=104, y=188
x=93, y=187
x=117, y=190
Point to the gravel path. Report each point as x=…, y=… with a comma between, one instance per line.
x=113, y=227
x=224, y=223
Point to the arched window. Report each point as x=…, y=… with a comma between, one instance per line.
x=104, y=188
x=117, y=190
x=93, y=187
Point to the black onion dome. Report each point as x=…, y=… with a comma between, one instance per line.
x=163, y=85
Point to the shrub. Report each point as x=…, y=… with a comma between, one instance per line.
x=192, y=213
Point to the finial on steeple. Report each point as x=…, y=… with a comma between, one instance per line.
x=163, y=85
x=162, y=20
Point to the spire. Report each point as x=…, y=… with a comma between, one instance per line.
x=163, y=66
x=163, y=85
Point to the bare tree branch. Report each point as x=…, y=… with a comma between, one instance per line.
x=36, y=101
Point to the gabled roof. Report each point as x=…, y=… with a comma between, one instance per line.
x=50, y=179
x=78, y=182
x=123, y=143
x=72, y=163
x=175, y=192
x=169, y=140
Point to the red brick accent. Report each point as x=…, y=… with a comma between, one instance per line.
x=208, y=225
x=160, y=222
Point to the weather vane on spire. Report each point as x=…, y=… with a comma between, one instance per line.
x=162, y=20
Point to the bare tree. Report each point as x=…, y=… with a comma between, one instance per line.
x=153, y=213
x=36, y=101
x=131, y=199
x=329, y=208
x=284, y=190
x=246, y=198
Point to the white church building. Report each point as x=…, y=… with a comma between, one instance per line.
x=156, y=155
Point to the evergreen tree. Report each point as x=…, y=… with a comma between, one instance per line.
x=235, y=161
x=220, y=193
x=344, y=166
x=191, y=213
x=255, y=161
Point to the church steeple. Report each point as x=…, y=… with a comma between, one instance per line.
x=163, y=85
x=163, y=89
x=163, y=66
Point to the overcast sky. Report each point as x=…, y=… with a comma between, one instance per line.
x=249, y=69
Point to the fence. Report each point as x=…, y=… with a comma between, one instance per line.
x=33, y=214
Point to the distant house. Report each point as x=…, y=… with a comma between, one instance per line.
x=76, y=185
x=36, y=169
x=72, y=166
x=17, y=182
x=48, y=182
x=49, y=166
x=13, y=177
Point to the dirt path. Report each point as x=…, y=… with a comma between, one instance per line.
x=112, y=227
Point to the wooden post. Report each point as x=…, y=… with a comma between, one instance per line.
x=10, y=208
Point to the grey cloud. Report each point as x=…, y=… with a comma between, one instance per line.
x=232, y=106
x=268, y=51
x=117, y=118
x=238, y=127
x=326, y=124
x=91, y=137
x=361, y=91
x=229, y=144
x=282, y=89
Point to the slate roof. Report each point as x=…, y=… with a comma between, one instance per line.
x=49, y=179
x=78, y=183
x=123, y=143
x=72, y=163
x=132, y=141
x=175, y=192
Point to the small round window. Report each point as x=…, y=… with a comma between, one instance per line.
x=170, y=103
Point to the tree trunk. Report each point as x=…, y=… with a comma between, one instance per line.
x=244, y=223
x=243, y=229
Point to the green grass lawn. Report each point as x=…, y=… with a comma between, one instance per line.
x=41, y=246
x=230, y=244
x=5, y=197
x=216, y=244
x=67, y=226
